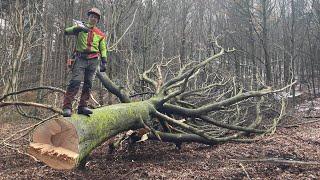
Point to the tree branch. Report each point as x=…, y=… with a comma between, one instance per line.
x=145, y=77
x=195, y=68
x=33, y=89
x=113, y=88
x=178, y=138
x=125, y=32
x=279, y=160
x=32, y=104
x=222, y=104
x=231, y=127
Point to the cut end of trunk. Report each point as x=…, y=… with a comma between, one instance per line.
x=56, y=144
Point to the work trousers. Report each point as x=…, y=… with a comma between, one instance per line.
x=83, y=70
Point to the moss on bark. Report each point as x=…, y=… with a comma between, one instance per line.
x=91, y=130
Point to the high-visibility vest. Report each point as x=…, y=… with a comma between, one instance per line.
x=89, y=42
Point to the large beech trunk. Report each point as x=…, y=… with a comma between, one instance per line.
x=63, y=143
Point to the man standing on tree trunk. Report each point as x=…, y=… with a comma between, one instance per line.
x=90, y=44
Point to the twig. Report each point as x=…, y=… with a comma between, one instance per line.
x=298, y=124
x=278, y=160
x=94, y=100
x=245, y=171
x=125, y=176
x=23, y=153
x=310, y=117
x=28, y=129
x=33, y=89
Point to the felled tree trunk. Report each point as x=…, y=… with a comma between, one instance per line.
x=62, y=143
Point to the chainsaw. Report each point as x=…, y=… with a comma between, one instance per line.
x=79, y=23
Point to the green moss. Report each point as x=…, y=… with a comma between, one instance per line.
x=108, y=121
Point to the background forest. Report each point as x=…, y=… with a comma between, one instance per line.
x=276, y=40
x=160, y=48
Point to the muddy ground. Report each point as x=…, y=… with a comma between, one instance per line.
x=293, y=152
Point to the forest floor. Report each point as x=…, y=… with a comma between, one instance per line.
x=293, y=152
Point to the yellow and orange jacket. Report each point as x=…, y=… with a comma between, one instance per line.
x=93, y=41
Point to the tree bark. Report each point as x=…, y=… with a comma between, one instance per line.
x=265, y=42
x=63, y=143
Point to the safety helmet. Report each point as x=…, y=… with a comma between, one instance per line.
x=95, y=11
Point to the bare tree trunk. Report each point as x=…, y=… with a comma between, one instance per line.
x=293, y=9
x=265, y=41
x=252, y=45
x=184, y=22
x=43, y=57
x=11, y=86
x=146, y=40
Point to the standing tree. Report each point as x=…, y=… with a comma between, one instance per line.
x=22, y=39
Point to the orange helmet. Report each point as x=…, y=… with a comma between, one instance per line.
x=95, y=11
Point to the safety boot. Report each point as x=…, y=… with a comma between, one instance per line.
x=84, y=110
x=67, y=112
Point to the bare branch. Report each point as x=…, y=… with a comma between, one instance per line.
x=194, y=69
x=113, y=88
x=280, y=161
x=178, y=138
x=231, y=127
x=147, y=79
x=189, y=93
x=31, y=104
x=112, y=48
x=32, y=89
x=27, y=129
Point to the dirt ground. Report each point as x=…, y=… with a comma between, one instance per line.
x=291, y=153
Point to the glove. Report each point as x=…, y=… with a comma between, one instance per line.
x=103, y=64
x=81, y=29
